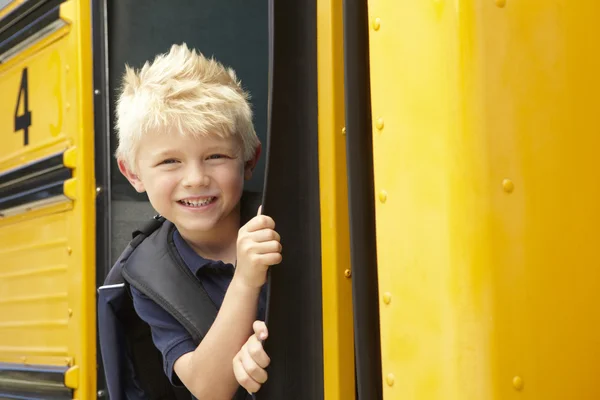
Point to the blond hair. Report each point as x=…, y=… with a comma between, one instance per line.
x=183, y=90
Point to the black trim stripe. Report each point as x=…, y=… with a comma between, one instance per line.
x=33, y=168
x=39, y=382
x=102, y=160
x=36, y=181
x=359, y=150
x=26, y=20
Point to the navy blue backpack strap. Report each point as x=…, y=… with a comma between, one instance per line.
x=162, y=276
x=146, y=230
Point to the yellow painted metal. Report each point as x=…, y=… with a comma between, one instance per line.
x=47, y=90
x=338, y=336
x=486, y=234
x=72, y=377
x=47, y=273
x=34, y=292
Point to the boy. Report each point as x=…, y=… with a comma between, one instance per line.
x=186, y=138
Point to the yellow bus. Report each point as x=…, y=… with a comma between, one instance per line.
x=430, y=165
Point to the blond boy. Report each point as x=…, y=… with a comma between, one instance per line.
x=186, y=138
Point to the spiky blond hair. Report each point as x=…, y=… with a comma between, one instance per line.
x=186, y=92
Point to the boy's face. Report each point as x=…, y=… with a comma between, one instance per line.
x=195, y=183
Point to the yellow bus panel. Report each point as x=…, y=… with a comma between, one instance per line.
x=33, y=102
x=487, y=188
x=34, y=291
x=47, y=246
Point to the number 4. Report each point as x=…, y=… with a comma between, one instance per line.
x=23, y=122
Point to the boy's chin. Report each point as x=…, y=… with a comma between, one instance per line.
x=191, y=227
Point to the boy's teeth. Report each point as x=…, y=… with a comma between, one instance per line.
x=198, y=203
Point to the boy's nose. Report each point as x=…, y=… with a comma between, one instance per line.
x=196, y=177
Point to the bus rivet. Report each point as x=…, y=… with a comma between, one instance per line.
x=500, y=3
x=383, y=196
x=347, y=273
x=69, y=250
x=518, y=382
x=70, y=311
x=344, y=131
x=508, y=185
x=377, y=23
x=387, y=297
x=389, y=379
x=379, y=123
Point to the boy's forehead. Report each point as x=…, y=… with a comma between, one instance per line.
x=158, y=143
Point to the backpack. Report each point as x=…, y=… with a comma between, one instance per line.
x=150, y=263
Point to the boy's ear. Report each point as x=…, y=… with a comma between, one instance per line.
x=251, y=164
x=131, y=177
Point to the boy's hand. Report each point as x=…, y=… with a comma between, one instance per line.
x=250, y=362
x=258, y=248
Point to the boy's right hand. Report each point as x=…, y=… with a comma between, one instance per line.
x=250, y=362
x=258, y=247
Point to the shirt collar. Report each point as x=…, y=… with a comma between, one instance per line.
x=192, y=259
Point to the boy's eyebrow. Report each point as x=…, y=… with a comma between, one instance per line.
x=210, y=149
x=224, y=149
x=162, y=153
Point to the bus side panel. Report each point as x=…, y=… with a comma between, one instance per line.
x=487, y=188
x=47, y=242
x=34, y=290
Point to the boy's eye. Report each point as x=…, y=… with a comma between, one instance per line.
x=169, y=161
x=216, y=156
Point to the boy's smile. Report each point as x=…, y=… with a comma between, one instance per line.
x=198, y=202
x=194, y=182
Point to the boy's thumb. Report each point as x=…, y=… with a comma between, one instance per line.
x=260, y=329
x=264, y=334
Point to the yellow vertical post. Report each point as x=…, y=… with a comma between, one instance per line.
x=79, y=125
x=84, y=217
x=338, y=336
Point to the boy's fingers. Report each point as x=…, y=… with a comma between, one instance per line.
x=264, y=235
x=256, y=351
x=259, y=210
x=269, y=247
x=254, y=370
x=260, y=222
x=270, y=259
x=243, y=378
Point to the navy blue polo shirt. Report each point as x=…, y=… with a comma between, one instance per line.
x=168, y=335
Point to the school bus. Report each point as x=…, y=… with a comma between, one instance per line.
x=431, y=167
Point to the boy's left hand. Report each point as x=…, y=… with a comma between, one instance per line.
x=250, y=362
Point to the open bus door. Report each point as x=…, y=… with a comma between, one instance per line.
x=237, y=34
